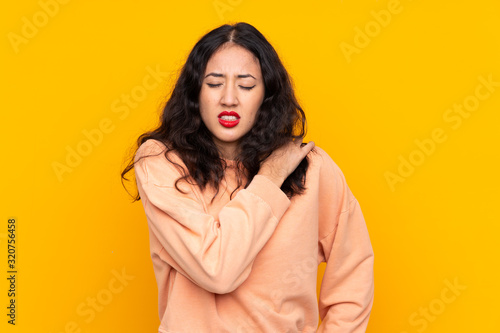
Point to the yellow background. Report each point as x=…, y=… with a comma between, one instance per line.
x=75, y=231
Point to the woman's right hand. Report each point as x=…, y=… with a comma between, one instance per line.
x=284, y=160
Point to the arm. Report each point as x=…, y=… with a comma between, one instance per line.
x=216, y=254
x=347, y=290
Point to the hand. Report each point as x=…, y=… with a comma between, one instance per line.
x=284, y=160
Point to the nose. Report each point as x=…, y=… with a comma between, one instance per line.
x=229, y=95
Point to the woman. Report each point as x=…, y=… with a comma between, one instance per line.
x=240, y=212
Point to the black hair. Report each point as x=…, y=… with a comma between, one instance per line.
x=279, y=119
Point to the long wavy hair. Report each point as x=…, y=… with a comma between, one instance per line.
x=279, y=119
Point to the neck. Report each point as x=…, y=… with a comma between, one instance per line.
x=228, y=153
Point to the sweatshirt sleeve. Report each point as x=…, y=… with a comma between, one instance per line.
x=347, y=289
x=216, y=254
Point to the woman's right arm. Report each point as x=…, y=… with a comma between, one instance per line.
x=216, y=254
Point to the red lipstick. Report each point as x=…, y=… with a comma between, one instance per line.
x=231, y=118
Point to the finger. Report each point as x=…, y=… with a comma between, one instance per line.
x=304, y=143
x=308, y=146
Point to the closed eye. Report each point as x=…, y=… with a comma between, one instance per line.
x=219, y=84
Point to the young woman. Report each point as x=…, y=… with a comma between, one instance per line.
x=240, y=212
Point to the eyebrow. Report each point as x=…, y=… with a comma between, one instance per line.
x=222, y=75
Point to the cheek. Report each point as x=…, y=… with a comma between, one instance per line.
x=257, y=103
x=259, y=98
x=207, y=99
x=205, y=103
x=253, y=116
x=202, y=97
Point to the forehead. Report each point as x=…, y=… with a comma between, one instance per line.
x=233, y=58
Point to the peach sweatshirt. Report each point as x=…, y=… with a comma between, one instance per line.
x=250, y=264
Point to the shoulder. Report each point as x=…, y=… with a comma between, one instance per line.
x=320, y=159
x=332, y=182
x=157, y=162
x=149, y=148
x=156, y=151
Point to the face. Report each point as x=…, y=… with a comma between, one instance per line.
x=232, y=84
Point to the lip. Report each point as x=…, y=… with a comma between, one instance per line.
x=229, y=123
